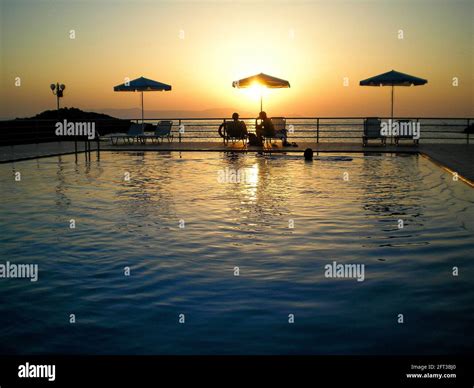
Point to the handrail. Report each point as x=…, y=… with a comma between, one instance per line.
x=253, y=118
x=318, y=129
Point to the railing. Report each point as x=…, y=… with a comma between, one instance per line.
x=324, y=129
x=305, y=129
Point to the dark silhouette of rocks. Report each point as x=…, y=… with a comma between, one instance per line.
x=41, y=127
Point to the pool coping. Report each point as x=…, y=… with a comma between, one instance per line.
x=466, y=180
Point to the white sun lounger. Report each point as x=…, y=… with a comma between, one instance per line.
x=234, y=132
x=134, y=134
x=372, y=127
x=279, y=123
x=162, y=131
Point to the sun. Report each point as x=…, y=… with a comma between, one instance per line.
x=255, y=91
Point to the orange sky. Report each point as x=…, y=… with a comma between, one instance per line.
x=314, y=45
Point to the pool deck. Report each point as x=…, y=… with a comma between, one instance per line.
x=457, y=158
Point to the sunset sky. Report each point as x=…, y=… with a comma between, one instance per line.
x=313, y=44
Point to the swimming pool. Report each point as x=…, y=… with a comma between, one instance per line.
x=227, y=254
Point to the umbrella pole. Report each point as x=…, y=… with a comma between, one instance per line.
x=391, y=121
x=142, y=109
x=392, y=103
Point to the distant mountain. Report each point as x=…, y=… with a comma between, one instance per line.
x=136, y=113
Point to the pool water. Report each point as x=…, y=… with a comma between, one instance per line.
x=225, y=250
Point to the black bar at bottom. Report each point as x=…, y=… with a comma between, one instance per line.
x=316, y=371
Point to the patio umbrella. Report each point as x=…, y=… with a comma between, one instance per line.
x=142, y=84
x=393, y=78
x=263, y=80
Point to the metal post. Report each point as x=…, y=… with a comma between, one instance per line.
x=467, y=131
x=142, y=108
x=418, y=141
x=179, y=130
x=224, y=132
x=75, y=148
x=317, y=130
x=391, y=121
x=392, y=103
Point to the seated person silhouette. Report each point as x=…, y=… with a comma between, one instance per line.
x=265, y=128
x=234, y=128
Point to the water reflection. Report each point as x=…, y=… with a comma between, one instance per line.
x=235, y=223
x=144, y=191
x=392, y=199
x=62, y=200
x=258, y=201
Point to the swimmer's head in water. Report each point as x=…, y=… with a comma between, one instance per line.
x=308, y=154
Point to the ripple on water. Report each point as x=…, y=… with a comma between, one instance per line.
x=190, y=269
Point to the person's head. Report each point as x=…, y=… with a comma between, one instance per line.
x=308, y=154
x=235, y=116
x=262, y=115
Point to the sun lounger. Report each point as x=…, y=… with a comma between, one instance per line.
x=134, y=134
x=162, y=131
x=233, y=131
x=402, y=125
x=372, y=127
x=279, y=123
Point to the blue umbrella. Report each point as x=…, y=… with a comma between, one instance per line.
x=142, y=84
x=393, y=78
